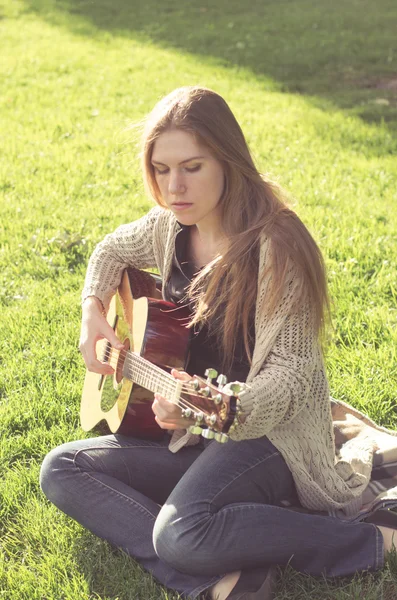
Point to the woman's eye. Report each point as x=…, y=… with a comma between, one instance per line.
x=165, y=171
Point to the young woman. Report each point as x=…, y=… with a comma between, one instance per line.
x=202, y=517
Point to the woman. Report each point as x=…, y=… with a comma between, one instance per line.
x=202, y=517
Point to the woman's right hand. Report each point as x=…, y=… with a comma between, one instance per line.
x=94, y=327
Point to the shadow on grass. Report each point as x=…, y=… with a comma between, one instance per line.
x=342, y=53
x=113, y=575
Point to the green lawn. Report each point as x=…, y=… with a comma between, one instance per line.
x=313, y=87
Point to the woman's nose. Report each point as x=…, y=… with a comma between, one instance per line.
x=176, y=184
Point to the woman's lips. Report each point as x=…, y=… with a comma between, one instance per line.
x=181, y=205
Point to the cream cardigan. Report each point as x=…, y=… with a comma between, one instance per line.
x=287, y=397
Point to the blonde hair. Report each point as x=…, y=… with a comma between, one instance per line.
x=225, y=290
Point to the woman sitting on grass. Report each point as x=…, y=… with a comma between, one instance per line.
x=202, y=517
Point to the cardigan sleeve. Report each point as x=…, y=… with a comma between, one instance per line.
x=129, y=245
x=282, y=388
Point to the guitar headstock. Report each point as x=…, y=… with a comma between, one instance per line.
x=214, y=408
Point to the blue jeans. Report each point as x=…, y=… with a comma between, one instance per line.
x=209, y=509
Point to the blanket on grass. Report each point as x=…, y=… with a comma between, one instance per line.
x=355, y=433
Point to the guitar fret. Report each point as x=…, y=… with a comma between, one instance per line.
x=150, y=376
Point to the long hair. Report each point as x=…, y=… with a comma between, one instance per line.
x=225, y=291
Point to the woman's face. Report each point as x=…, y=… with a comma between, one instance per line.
x=189, y=178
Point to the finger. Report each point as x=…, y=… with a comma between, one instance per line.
x=102, y=368
x=166, y=411
x=178, y=424
x=166, y=405
x=156, y=408
x=158, y=399
x=88, y=351
x=159, y=407
x=181, y=375
x=109, y=334
x=165, y=425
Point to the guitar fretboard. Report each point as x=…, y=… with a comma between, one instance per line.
x=144, y=373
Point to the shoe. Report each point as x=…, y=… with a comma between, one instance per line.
x=383, y=517
x=255, y=584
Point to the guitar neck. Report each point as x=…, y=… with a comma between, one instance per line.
x=146, y=374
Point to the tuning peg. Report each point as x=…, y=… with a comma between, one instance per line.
x=222, y=379
x=211, y=419
x=208, y=434
x=222, y=438
x=217, y=399
x=206, y=391
x=235, y=388
x=210, y=374
x=196, y=384
x=187, y=412
x=199, y=416
x=195, y=429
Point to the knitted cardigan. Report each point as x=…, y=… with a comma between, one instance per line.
x=287, y=396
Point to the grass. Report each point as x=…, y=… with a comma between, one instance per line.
x=73, y=75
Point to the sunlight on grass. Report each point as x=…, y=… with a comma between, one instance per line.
x=69, y=174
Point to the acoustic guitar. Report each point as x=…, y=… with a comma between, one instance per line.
x=156, y=340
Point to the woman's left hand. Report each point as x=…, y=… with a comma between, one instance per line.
x=168, y=414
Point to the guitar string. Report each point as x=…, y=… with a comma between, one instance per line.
x=166, y=383
x=170, y=382
x=169, y=389
x=133, y=356
x=181, y=402
x=138, y=363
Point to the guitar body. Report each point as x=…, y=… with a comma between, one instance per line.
x=153, y=329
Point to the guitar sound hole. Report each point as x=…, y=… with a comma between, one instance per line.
x=109, y=395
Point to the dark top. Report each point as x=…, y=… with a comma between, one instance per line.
x=204, y=349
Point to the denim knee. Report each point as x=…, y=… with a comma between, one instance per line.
x=51, y=472
x=180, y=542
